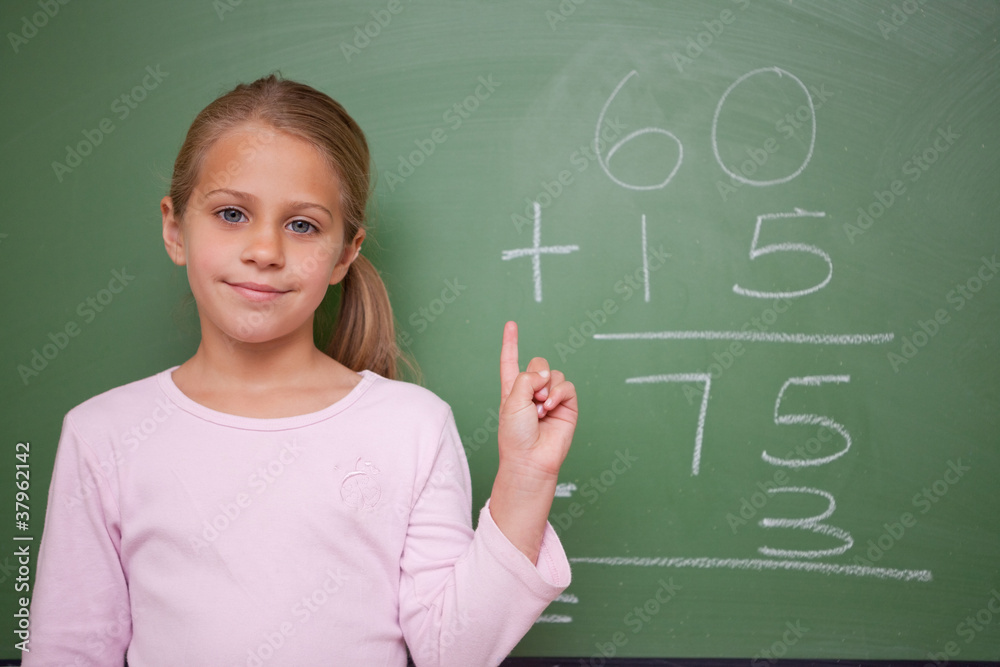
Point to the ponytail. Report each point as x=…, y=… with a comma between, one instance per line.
x=365, y=336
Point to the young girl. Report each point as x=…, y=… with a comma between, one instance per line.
x=266, y=503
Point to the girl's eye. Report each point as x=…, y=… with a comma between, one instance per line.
x=231, y=214
x=301, y=226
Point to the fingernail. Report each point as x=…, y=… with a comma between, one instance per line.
x=543, y=394
x=544, y=374
x=541, y=410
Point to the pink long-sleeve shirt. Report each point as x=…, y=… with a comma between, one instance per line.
x=187, y=536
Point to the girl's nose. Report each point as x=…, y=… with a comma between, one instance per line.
x=264, y=245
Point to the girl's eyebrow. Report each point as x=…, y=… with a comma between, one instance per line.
x=232, y=193
x=252, y=199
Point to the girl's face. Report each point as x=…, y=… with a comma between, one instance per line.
x=262, y=236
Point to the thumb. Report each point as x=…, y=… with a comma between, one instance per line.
x=523, y=390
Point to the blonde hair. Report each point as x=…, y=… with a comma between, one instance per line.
x=364, y=336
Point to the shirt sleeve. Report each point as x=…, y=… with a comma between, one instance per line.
x=467, y=598
x=79, y=613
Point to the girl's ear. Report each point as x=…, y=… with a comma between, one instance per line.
x=347, y=257
x=173, y=237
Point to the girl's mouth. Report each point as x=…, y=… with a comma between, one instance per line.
x=257, y=292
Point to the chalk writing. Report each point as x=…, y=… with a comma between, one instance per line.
x=687, y=377
x=536, y=251
x=763, y=564
x=604, y=161
x=755, y=337
x=715, y=129
x=756, y=252
x=809, y=381
x=645, y=259
x=811, y=523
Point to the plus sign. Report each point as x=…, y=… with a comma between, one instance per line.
x=536, y=251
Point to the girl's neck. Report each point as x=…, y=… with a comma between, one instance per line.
x=265, y=380
x=253, y=364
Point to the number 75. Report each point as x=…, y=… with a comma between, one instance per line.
x=779, y=419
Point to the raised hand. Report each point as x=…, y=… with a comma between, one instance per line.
x=538, y=414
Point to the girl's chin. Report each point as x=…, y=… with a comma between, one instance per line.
x=263, y=337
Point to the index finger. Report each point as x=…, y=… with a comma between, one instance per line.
x=508, y=360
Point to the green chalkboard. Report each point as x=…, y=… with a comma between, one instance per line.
x=760, y=236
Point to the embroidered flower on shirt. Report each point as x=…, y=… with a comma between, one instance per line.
x=360, y=490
